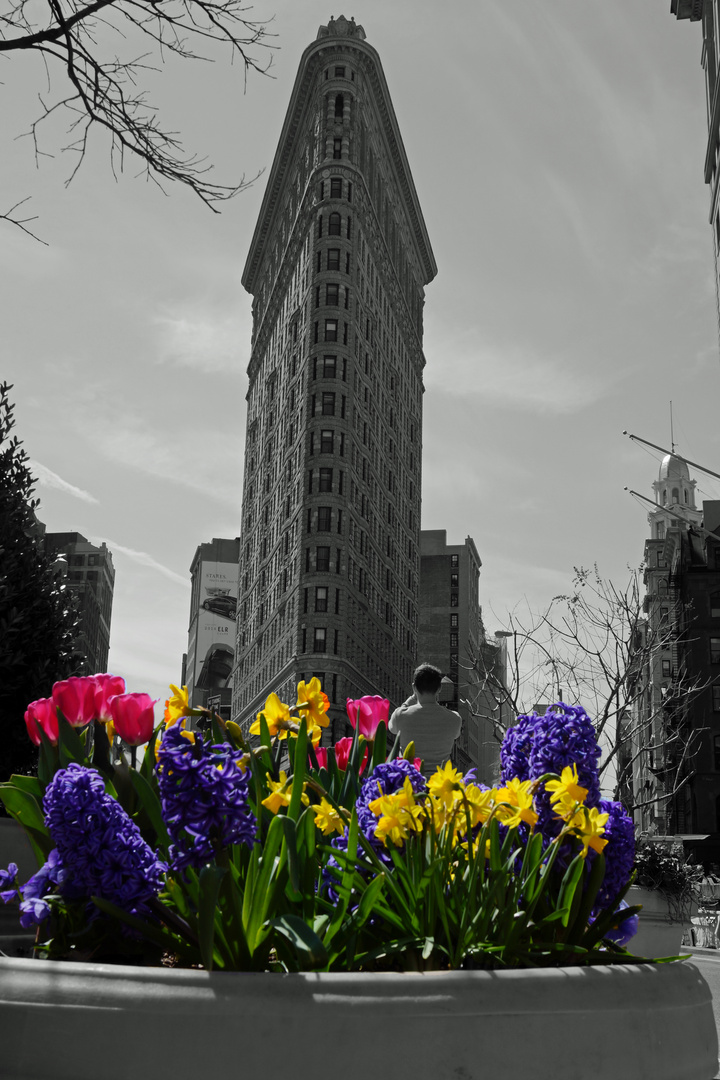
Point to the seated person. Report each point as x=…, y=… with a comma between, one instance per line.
x=423, y=721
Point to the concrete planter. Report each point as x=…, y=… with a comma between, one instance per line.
x=658, y=934
x=84, y=1021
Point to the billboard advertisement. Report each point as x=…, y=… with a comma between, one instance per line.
x=214, y=638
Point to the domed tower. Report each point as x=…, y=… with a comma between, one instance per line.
x=675, y=498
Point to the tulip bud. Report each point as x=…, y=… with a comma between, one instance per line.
x=75, y=699
x=42, y=714
x=106, y=687
x=133, y=717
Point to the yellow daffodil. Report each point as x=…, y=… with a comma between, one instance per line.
x=277, y=718
x=327, y=819
x=398, y=815
x=480, y=803
x=446, y=784
x=177, y=705
x=588, y=824
x=313, y=703
x=281, y=793
x=516, y=803
x=566, y=792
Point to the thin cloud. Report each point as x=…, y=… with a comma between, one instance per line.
x=47, y=478
x=208, y=341
x=142, y=558
x=519, y=379
x=193, y=463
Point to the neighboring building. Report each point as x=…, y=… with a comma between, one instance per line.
x=677, y=728
x=709, y=12
x=339, y=259
x=452, y=637
x=90, y=576
x=211, y=634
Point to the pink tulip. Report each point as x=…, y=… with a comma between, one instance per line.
x=321, y=755
x=418, y=763
x=42, y=714
x=342, y=754
x=133, y=717
x=106, y=687
x=368, y=712
x=75, y=699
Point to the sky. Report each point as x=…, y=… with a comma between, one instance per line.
x=557, y=151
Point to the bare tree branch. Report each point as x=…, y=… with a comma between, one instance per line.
x=106, y=88
x=21, y=223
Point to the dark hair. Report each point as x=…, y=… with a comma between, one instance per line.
x=427, y=679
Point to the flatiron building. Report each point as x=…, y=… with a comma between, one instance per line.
x=330, y=541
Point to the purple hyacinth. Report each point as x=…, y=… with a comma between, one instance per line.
x=204, y=794
x=516, y=747
x=566, y=735
x=619, y=851
x=100, y=850
x=8, y=883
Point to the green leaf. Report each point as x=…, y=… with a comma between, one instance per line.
x=303, y=939
x=70, y=745
x=210, y=879
x=299, y=772
x=290, y=841
x=379, y=745
x=31, y=784
x=150, y=803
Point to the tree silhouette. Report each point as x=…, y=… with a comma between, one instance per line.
x=37, y=616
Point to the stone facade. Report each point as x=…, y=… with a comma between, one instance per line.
x=452, y=637
x=89, y=574
x=329, y=558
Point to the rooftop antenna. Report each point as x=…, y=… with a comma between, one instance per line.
x=672, y=436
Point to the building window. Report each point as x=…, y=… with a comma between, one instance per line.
x=319, y=639
x=454, y=560
x=332, y=295
x=322, y=560
x=715, y=605
x=660, y=532
x=333, y=259
x=325, y=480
x=321, y=598
x=453, y=660
x=715, y=650
x=337, y=149
x=326, y=441
x=331, y=329
x=340, y=74
x=716, y=748
x=324, y=519
x=329, y=367
x=453, y=621
x=716, y=698
x=334, y=224
x=336, y=185
x=453, y=599
x=453, y=641
x=666, y=669
x=453, y=581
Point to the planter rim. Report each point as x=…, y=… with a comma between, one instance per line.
x=185, y=1022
